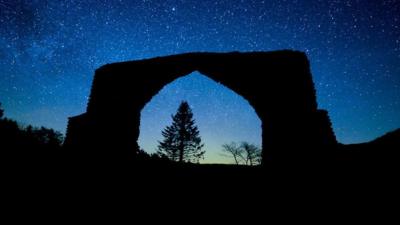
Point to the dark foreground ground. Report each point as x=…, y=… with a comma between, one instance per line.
x=164, y=176
x=327, y=189
x=355, y=175
x=357, y=181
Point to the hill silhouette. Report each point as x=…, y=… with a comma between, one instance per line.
x=390, y=139
x=383, y=149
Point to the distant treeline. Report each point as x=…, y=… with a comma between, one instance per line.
x=27, y=142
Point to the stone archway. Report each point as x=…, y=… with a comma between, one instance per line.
x=278, y=85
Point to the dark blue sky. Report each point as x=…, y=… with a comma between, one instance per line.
x=49, y=50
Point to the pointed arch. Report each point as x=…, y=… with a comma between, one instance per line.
x=278, y=85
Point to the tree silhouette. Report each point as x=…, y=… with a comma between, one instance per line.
x=252, y=152
x=48, y=138
x=233, y=150
x=1, y=112
x=28, y=141
x=245, y=153
x=182, y=141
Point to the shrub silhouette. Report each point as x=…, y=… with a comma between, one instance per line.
x=1, y=112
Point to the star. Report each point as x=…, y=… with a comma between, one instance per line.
x=49, y=51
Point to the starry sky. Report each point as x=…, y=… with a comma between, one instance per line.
x=49, y=50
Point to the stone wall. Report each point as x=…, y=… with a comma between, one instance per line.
x=278, y=85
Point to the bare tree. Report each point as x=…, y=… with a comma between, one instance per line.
x=245, y=153
x=233, y=150
x=252, y=153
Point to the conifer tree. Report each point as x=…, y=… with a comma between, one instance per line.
x=182, y=141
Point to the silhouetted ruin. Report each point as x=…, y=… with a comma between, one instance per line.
x=278, y=85
x=101, y=154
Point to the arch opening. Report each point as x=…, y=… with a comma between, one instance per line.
x=278, y=85
x=222, y=116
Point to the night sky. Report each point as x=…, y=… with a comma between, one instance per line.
x=50, y=49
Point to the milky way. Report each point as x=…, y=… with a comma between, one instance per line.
x=50, y=49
